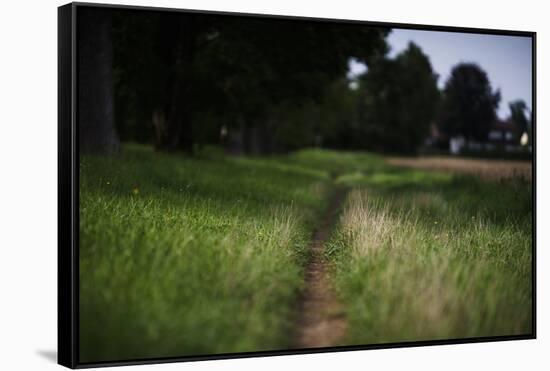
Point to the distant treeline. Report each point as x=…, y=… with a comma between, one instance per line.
x=263, y=85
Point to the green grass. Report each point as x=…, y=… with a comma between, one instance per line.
x=188, y=256
x=422, y=256
x=191, y=256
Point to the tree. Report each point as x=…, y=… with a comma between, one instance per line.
x=469, y=103
x=155, y=59
x=263, y=65
x=330, y=121
x=96, y=118
x=398, y=101
x=179, y=74
x=517, y=113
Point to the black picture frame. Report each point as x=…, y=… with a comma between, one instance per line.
x=68, y=200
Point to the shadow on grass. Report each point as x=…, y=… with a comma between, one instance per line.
x=172, y=178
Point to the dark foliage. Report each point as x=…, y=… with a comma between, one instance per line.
x=518, y=115
x=469, y=103
x=398, y=102
x=263, y=85
x=96, y=107
x=178, y=78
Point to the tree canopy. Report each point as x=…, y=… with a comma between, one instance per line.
x=182, y=80
x=517, y=114
x=399, y=101
x=469, y=103
x=179, y=77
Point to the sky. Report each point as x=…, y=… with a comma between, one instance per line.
x=506, y=59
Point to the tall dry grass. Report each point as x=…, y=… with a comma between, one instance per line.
x=486, y=169
x=407, y=275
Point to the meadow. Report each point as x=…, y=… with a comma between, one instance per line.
x=425, y=256
x=189, y=256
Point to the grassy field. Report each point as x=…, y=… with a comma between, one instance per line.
x=206, y=255
x=191, y=256
x=423, y=255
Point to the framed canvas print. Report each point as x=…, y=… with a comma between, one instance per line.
x=237, y=185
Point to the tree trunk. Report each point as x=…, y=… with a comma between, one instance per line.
x=96, y=120
x=178, y=133
x=246, y=136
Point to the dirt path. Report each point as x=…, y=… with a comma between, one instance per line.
x=321, y=321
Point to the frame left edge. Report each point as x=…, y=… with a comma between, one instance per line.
x=67, y=300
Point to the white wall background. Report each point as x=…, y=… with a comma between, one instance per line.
x=28, y=181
